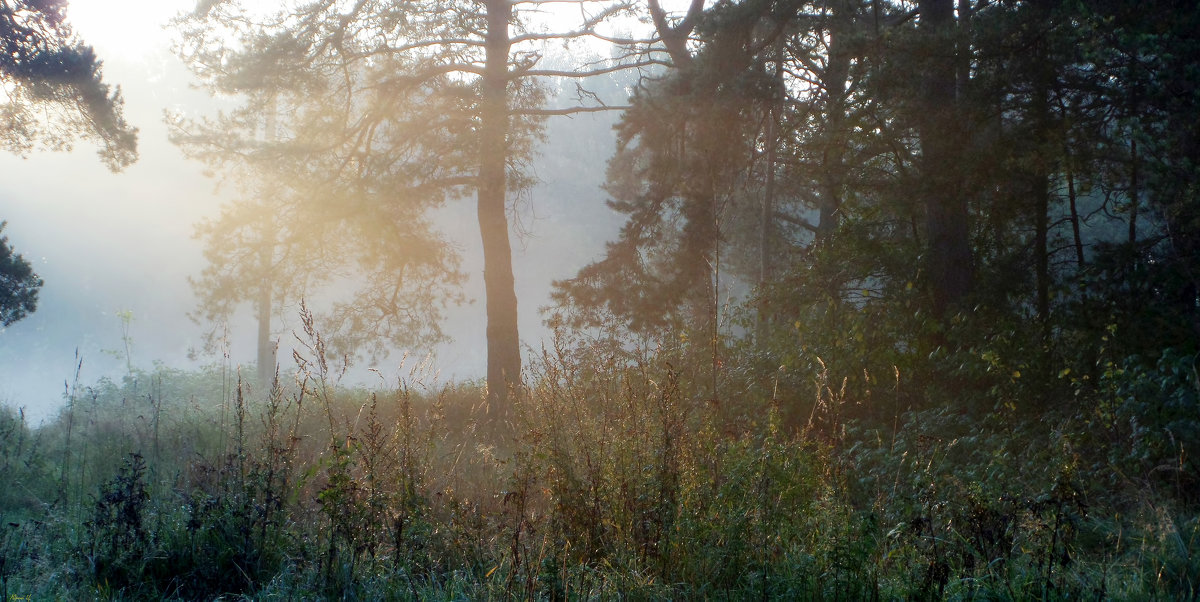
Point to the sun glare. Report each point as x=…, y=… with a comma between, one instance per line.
x=129, y=29
x=124, y=29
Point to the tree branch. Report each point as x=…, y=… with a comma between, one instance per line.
x=675, y=38
x=416, y=46
x=539, y=2
x=568, y=110
x=796, y=221
x=585, y=74
x=420, y=77
x=584, y=33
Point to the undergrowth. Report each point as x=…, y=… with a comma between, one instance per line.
x=619, y=475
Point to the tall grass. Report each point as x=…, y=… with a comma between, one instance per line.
x=618, y=476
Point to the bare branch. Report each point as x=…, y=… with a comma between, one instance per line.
x=901, y=18
x=588, y=73
x=540, y=2
x=584, y=33
x=416, y=46
x=568, y=110
x=796, y=221
x=434, y=71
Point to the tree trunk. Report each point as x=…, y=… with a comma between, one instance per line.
x=767, y=209
x=1044, y=77
x=1041, y=220
x=948, y=262
x=267, y=348
x=1133, y=190
x=503, y=342
x=962, y=76
x=1075, y=219
x=837, y=69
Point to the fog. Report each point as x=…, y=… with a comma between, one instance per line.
x=110, y=244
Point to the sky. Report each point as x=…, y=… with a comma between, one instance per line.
x=111, y=245
x=106, y=243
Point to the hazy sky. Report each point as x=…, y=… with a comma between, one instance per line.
x=108, y=243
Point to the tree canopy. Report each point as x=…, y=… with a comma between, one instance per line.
x=53, y=86
x=18, y=284
x=53, y=93
x=393, y=111
x=907, y=181
x=926, y=177
x=905, y=306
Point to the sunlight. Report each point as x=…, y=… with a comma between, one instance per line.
x=597, y=299
x=126, y=29
x=130, y=29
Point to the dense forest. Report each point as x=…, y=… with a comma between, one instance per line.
x=905, y=304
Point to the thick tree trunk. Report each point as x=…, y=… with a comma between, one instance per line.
x=503, y=342
x=948, y=262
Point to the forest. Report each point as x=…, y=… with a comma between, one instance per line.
x=904, y=304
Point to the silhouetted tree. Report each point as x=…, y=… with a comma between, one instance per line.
x=18, y=284
x=53, y=93
x=942, y=134
x=53, y=86
x=684, y=159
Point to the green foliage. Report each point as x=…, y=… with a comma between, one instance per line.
x=1157, y=412
x=1035, y=439
x=18, y=284
x=23, y=462
x=619, y=477
x=53, y=86
x=117, y=540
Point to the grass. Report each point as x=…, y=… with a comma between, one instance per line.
x=618, y=477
